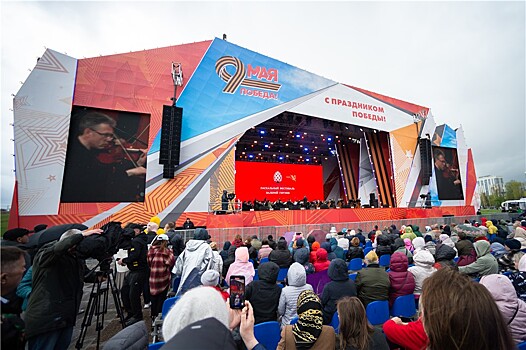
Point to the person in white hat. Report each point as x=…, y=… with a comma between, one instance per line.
x=161, y=261
x=333, y=231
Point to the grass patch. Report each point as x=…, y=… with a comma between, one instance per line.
x=5, y=220
x=490, y=211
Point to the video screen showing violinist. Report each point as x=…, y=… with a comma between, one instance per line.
x=447, y=174
x=106, y=156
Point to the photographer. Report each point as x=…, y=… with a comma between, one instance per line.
x=58, y=279
x=134, y=282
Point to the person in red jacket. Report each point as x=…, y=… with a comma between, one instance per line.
x=322, y=263
x=410, y=336
x=315, y=247
x=402, y=281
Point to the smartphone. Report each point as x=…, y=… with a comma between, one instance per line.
x=237, y=292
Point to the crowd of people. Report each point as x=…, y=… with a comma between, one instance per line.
x=470, y=289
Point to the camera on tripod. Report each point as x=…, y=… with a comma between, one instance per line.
x=231, y=196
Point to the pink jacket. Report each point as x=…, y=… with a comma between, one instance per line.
x=506, y=298
x=241, y=266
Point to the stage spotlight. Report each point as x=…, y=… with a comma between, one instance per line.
x=250, y=156
x=262, y=132
x=280, y=157
x=329, y=139
x=267, y=146
x=306, y=149
x=307, y=160
x=298, y=136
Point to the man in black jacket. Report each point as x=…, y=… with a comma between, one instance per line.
x=58, y=279
x=132, y=288
x=264, y=294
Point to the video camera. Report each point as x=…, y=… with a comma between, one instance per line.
x=231, y=196
x=102, y=247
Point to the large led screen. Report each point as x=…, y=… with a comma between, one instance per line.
x=447, y=174
x=106, y=156
x=273, y=181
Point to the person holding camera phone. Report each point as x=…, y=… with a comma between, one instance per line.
x=133, y=284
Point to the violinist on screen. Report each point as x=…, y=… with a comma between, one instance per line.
x=90, y=175
x=449, y=185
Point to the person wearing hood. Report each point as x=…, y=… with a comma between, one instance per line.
x=241, y=266
x=445, y=239
x=340, y=286
x=309, y=332
x=383, y=245
x=423, y=269
x=310, y=240
x=336, y=249
x=430, y=245
x=409, y=245
x=224, y=252
x=444, y=257
x=296, y=283
x=497, y=250
x=330, y=254
x=492, y=230
x=418, y=244
x=265, y=249
x=372, y=282
x=512, y=308
x=416, y=231
x=315, y=247
x=197, y=254
x=400, y=247
x=401, y=281
x=264, y=294
x=408, y=233
x=355, y=251
x=202, y=320
x=322, y=263
x=281, y=255
x=447, y=230
x=465, y=249
x=486, y=264
x=518, y=279
x=302, y=255
x=358, y=234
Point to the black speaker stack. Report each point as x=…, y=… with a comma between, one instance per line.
x=170, y=140
x=425, y=160
x=373, y=202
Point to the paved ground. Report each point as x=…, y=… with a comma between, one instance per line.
x=111, y=325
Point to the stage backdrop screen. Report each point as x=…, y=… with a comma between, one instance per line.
x=273, y=181
x=106, y=156
x=447, y=174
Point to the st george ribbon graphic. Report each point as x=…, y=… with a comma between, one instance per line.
x=239, y=76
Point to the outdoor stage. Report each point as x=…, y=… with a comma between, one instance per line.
x=320, y=216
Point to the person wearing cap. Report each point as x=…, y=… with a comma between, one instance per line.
x=161, y=260
x=212, y=278
x=15, y=237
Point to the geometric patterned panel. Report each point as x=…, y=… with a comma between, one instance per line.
x=42, y=111
x=222, y=179
x=403, y=145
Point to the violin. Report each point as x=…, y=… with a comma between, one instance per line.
x=450, y=172
x=120, y=151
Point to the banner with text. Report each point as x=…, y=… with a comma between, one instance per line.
x=273, y=181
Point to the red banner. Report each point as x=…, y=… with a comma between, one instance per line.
x=273, y=181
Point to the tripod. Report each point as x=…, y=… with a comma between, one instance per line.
x=98, y=305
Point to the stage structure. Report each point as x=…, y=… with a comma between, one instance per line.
x=89, y=148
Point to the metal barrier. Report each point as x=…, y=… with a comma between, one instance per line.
x=221, y=235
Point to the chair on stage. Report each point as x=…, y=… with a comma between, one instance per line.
x=355, y=264
x=377, y=312
x=404, y=306
x=268, y=334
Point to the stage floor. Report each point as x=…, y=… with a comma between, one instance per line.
x=320, y=216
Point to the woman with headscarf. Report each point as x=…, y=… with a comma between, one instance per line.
x=309, y=332
x=409, y=245
x=241, y=266
x=423, y=269
x=322, y=262
x=418, y=244
x=312, y=255
x=399, y=246
x=465, y=249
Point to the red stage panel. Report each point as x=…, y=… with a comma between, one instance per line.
x=275, y=181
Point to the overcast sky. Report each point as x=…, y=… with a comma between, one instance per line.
x=466, y=61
